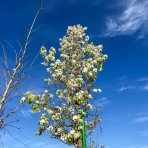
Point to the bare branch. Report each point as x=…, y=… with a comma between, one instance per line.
x=16, y=55
x=17, y=74
x=5, y=59
x=5, y=77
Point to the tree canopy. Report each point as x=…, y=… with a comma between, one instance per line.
x=71, y=79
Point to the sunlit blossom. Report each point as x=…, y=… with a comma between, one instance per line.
x=71, y=78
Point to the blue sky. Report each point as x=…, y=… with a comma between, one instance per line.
x=121, y=26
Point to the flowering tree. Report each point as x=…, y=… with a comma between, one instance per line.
x=73, y=76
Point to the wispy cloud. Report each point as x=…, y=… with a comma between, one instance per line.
x=137, y=85
x=143, y=79
x=140, y=119
x=123, y=88
x=145, y=87
x=133, y=19
x=103, y=101
x=25, y=113
x=144, y=133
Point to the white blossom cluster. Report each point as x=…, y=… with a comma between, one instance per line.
x=73, y=74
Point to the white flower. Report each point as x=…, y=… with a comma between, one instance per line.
x=23, y=100
x=85, y=28
x=83, y=113
x=105, y=57
x=89, y=106
x=52, y=64
x=80, y=128
x=48, y=70
x=49, y=111
x=57, y=116
x=90, y=74
x=91, y=124
x=77, y=135
x=62, y=138
x=53, y=117
x=95, y=70
x=44, y=63
x=50, y=128
x=71, y=109
x=73, y=62
x=50, y=57
x=72, y=132
x=75, y=117
x=95, y=61
x=87, y=38
x=46, y=91
x=59, y=130
x=52, y=50
x=80, y=120
x=100, y=47
x=42, y=121
x=37, y=102
x=43, y=51
x=85, y=70
x=97, y=90
x=90, y=96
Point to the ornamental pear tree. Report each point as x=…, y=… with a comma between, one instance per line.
x=70, y=95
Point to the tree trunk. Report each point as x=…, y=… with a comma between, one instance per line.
x=79, y=143
x=1, y=106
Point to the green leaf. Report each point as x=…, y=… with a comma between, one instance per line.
x=35, y=108
x=39, y=132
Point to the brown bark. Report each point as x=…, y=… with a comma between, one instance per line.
x=13, y=81
x=79, y=143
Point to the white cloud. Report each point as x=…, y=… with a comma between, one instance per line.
x=144, y=133
x=132, y=19
x=123, y=88
x=25, y=113
x=140, y=119
x=104, y=101
x=137, y=88
x=145, y=87
x=143, y=79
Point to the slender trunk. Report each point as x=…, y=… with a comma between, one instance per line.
x=6, y=92
x=0, y=108
x=4, y=96
x=79, y=143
